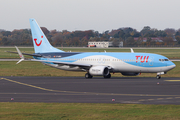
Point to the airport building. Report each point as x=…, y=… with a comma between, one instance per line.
x=103, y=44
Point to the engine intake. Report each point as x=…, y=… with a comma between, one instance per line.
x=99, y=71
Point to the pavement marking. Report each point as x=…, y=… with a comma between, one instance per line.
x=150, y=99
x=172, y=80
x=39, y=94
x=90, y=93
x=160, y=98
x=169, y=98
x=141, y=100
x=32, y=86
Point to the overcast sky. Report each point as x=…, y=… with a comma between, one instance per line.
x=98, y=15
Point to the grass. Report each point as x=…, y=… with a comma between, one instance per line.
x=170, y=53
x=29, y=68
x=26, y=68
x=84, y=111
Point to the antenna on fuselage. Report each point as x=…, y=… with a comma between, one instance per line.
x=132, y=51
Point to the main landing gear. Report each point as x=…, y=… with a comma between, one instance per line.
x=87, y=75
x=107, y=76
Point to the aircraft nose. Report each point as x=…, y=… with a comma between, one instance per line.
x=171, y=65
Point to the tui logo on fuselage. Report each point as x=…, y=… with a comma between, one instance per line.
x=145, y=59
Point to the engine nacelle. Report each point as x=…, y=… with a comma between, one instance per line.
x=99, y=71
x=130, y=74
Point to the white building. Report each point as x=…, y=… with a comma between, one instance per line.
x=98, y=44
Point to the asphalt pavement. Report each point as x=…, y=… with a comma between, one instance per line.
x=131, y=90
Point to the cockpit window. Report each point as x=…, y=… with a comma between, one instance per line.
x=163, y=60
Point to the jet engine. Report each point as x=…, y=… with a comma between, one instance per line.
x=130, y=74
x=99, y=71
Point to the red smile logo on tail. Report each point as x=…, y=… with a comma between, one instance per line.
x=35, y=40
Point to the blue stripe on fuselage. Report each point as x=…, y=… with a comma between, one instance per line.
x=136, y=59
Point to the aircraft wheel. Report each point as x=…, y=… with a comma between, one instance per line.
x=108, y=76
x=87, y=75
x=158, y=77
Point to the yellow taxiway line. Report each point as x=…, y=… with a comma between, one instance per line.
x=90, y=93
x=172, y=80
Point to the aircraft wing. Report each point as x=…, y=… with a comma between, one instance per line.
x=63, y=63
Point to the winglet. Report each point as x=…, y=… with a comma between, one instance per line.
x=20, y=55
x=132, y=51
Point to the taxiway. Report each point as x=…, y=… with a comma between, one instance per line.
x=134, y=90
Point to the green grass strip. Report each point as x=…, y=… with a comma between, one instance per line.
x=87, y=111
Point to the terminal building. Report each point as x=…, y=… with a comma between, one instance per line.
x=103, y=44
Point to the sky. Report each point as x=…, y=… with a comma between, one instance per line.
x=97, y=15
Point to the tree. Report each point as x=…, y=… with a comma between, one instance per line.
x=5, y=41
x=160, y=33
x=168, y=40
x=170, y=31
x=75, y=41
x=178, y=39
x=58, y=39
x=149, y=40
x=45, y=30
x=6, y=33
x=115, y=42
x=120, y=34
x=130, y=41
x=177, y=32
x=145, y=30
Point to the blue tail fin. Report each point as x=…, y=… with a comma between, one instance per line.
x=40, y=42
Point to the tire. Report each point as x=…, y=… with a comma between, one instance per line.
x=87, y=75
x=108, y=76
x=158, y=77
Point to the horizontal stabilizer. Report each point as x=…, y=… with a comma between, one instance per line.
x=35, y=55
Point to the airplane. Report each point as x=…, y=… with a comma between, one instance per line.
x=95, y=63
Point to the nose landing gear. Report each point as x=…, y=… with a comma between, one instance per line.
x=158, y=77
x=159, y=74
